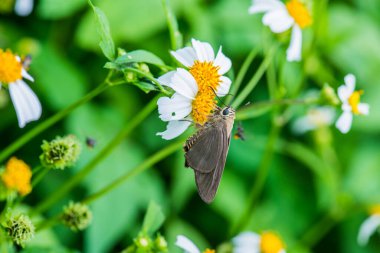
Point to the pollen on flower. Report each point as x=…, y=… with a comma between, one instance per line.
x=300, y=13
x=270, y=243
x=17, y=176
x=209, y=251
x=207, y=77
x=354, y=101
x=10, y=67
x=375, y=210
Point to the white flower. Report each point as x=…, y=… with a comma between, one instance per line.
x=369, y=227
x=250, y=242
x=195, y=88
x=25, y=101
x=24, y=7
x=188, y=246
x=350, y=104
x=281, y=17
x=315, y=118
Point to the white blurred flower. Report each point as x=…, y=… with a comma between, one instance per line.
x=26, y=103
x=369, y=226
x=188, y=246
x=24, y=7
x=281, y=17
x=350, y=103
x=250, y=242
x=315, y=118
x=195, y=88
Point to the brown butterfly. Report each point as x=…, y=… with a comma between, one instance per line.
x=206, y=151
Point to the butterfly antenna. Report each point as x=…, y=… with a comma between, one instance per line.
x=218, y=97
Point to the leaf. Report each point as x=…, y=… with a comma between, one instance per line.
x=153, y=218
x=139, y=56
x=145, y=86
x=106, y=42
x=57, y=9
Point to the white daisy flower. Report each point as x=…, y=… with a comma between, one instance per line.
x=194, y=97
x=315, y=118
x=188, y=246
x=25, y=101
x=250, y=242
x=350, y=103
x=369, y=226
x=24, y=7
x=281, y=17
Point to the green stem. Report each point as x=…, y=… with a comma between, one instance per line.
x=48, y=223
x=254, y=80
x=39, y=176
x=175, y=35
x=17, y=144
x=148, y=163
x=317, y=231
x=149, y=77
x=261, y=177
x=66, y=187
x=242, y=72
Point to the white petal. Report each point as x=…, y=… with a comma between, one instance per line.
x=224, y=86
x=23, y=7
x=303, y=125
x=344, y=122
x=278, y=20
x=174, y=108
x=344, y=93
x=368, y=227
x=363, y=108
x=350, y=81
x=187, y=245
x=184, y=83
x=294, y=51
x=174, y=128
x=223, y=62
x=26, y=75
x=265, y=5
x=26, y=103
x=166, y=79
x=186, y=56
x=204, y=51
x=246, y=242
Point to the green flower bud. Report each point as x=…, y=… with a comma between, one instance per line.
x=143, y=243
x=76, y=216
x=61, y=152
x=328, y=96
x=160, y=244
x=121, y=51
x=19, y=228
x=144, y=68
x=130, y=77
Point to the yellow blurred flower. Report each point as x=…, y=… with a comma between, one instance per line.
x=17, y=176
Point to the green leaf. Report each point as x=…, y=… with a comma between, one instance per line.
x=139, y=56
x=153, y=219
x=145, y=86
x=106, y=42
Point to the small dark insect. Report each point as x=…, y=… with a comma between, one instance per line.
x=90, y=142
x=239, y=134
x=206, y=151
x=26, y=61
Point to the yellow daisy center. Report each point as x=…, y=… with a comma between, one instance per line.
x=354, y=101
x=207, y=77
x=209, y=251
x=375, y=210
x=300, y=13
x=270, y=243
x=10, y=68
x=17, y=176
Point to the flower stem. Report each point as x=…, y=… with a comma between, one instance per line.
x=39, y=176
x=254, y=80
x=175, y=35
x=49, y=122
x=66, y=187
x=149, y=77
x=137, y=170
x=242, y=72
x=261, y=177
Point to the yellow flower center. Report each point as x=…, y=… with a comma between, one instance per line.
x=375, y=210
x=10, y=68
x=17, y=176
x=354, y=101
x=300, y=13
x=270, y=243
x=207, y=77
x=209, y=251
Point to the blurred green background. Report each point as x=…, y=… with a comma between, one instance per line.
x=300, y=190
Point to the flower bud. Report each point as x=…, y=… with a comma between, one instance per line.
x=143, y=243
x=160, y=244
x=19, y=228
x=76, y=216
x=144, y=68
x=328, y=96
x=61, y=152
